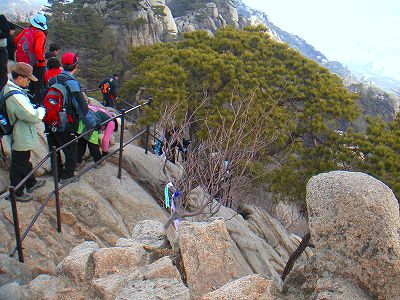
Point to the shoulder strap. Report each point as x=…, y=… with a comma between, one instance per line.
x=9, y=94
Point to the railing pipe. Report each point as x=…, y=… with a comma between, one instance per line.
x=56, y=190
x=121, y=143
x=16, y=224
x=32, y=222
x=147, y=139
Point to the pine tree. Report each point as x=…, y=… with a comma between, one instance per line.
x=306, y=103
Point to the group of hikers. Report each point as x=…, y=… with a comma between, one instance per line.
x=37, y=87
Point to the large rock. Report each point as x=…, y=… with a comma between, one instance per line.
x=354, y=225
x=159, y=280
x=206, y=256
x=77, y=265
x=252, y=287
x=260, y=243
x=151, y=233
x=12, y=270
x=118, y=260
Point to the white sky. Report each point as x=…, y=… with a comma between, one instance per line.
x=363, y=32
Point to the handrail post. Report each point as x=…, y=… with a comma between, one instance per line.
x=121, y=143
x=147, y=139
x=56, y=190
x=16, y=224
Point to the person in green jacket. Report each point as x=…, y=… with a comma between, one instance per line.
x=24, y=117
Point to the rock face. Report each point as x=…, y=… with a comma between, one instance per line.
x=211, y=17
x=91, y=272
x=354, y=225
x=206, y=256
x=260, y=244
x=252, y=287
x=145, y=23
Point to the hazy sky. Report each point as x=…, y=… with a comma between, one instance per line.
x=364, y=32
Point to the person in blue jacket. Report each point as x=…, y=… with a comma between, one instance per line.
x=77, y=110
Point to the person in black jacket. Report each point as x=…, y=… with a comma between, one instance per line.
x=53, y=51
x=10, y=42
x=4, y=33
x=109, y=89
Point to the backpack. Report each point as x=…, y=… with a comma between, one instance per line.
x=5, y=125
x=25, y=51
x=56, y=102
x=105, y=88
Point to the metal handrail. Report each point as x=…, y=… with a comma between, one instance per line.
x=57, y=188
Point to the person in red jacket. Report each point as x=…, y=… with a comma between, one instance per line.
x=30, y=49
x=53, y=69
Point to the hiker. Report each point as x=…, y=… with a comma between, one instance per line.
x=10, y=42
x=30, y=49
x=4, y=33
x=53, y=51
x=24, y=117
x=75, y=108
x=53, y=69
x=109, y=89
x=92, y=140
x=172, y=142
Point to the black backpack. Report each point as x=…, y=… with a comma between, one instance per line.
x=5, y=126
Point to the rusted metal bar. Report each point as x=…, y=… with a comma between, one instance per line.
x=16, y=224
x=35, y=217
x=56, y=190
x=121, y=143
x=147, y=139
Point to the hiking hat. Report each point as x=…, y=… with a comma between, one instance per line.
x=24, y=69
x=69, y=59
x=39, y=21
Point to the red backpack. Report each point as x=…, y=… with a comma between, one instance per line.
x=56, y=102
x=25, y=48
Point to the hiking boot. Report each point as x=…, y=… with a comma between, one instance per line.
x=65, y=180
x=79, y=166
x=25, y=197
x=39, y=183
x=98, y=166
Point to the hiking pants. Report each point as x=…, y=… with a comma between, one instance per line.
x=93, y=149
x=3, y=66
x=58, y=139
x=36, y=87
x=20, y=167
x=109, y=100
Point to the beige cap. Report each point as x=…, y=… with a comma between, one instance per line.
x=24, y=69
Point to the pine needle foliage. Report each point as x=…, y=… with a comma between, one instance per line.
x=307, y=101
